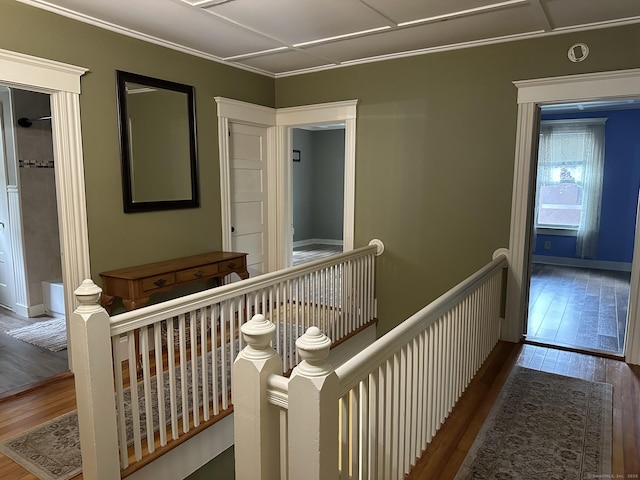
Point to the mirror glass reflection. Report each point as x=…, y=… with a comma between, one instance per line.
x=157, y=131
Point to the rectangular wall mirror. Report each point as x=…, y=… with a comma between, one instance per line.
x=157, y=143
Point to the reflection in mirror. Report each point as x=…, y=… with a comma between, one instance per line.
x=157, y=141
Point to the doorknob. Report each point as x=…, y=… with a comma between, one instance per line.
x=233, y=229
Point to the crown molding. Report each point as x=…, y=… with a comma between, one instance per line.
x=44, y=5
x=65, y=12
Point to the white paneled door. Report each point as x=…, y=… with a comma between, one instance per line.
x=248, y=182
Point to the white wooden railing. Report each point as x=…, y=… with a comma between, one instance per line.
x=373, y=416
x=179, y=354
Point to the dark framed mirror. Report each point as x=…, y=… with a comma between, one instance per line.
x=157, y=143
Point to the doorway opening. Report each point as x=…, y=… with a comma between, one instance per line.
x=317, y=192
x=32, y=307
x=584, y=225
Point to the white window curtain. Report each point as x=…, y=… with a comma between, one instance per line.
x=579, y=143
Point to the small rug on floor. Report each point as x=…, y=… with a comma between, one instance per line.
x=547, y=426
x=51, y=450
x=50, y=334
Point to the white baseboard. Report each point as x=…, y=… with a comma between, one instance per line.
x=320, y=241
x=582, y=263
x=29, y=311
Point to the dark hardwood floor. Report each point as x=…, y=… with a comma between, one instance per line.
x=446, y=453
x=23, y=364
x=578, y=307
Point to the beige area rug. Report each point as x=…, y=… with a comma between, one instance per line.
x=544, y=426
x=49, y=334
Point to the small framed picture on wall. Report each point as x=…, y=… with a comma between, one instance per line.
x=296, y=155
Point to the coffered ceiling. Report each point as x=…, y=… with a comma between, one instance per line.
x=287, y=37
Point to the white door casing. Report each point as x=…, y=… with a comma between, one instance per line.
x=279, y=123
x=7, y=278
x=62, y=82
x=325, y=113
x=248, y=187
x=532, y=94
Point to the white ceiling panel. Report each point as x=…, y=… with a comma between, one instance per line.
x=296, y=21
x=246, y=32
x=465, y=29
x=167, y=20
x=403, y=11
x=286, y=62
x=579, y=12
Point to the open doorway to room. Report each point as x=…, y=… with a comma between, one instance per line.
x=317, y=192
x=588, y=179
x=33, y=334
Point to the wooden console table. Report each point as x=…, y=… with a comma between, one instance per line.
x=136, y=284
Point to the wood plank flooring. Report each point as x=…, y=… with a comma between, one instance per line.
x=446, y=453
x=23, y=364
x=578, y=307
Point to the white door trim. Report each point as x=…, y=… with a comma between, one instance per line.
x=279, y=150
x=324, y=113
x=62, y=83
x=532, y=94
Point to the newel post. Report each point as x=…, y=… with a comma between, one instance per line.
x=93, y=371
x=313, y=411
x=256, y=421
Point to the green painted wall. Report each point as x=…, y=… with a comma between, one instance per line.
x=117, y=239
x=435, y=151
x=435, y=144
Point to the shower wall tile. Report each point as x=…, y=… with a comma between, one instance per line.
x=37, y=193
x=40, y=227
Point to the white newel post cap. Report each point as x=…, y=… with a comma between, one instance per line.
x=88, y=295
x=313, y=347
x=257, y=333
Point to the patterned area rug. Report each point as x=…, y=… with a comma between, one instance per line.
x=51, y=451
x=544, y=426
x=50, y=334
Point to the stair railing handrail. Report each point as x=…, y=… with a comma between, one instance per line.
x=305, y=456
x=127, y=321
x=356, y=367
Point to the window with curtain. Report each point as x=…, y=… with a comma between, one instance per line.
x=569, y=181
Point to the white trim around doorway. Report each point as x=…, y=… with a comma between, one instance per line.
x=62, y=82
x=532, y=94
x=279, y=150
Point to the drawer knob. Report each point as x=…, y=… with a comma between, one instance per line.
x=232, y=265
x=160, y=282
x=199, y=274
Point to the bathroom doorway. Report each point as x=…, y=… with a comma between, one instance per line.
x=33, y=299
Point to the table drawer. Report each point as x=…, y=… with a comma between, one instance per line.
x=203, y=271
x=159, y=281
x=230, y=265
